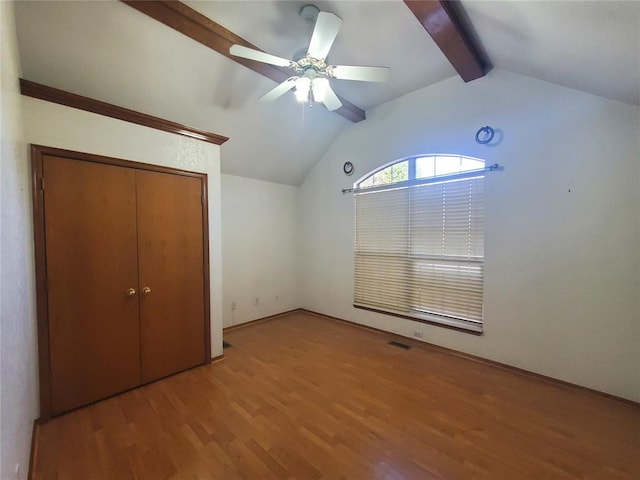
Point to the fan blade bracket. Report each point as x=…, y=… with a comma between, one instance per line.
x=259, y=56
x=279, y=90
x=359, y=73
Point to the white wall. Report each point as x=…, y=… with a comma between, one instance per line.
x=18, y=354
x=58, y=126
x=562, y=259
x=259, y=241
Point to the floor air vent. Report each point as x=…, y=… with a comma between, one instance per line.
x=399, y=345
x=226, y=344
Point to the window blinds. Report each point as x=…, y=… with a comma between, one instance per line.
x=419, y=251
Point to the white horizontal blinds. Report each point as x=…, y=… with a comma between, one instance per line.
x=447, y=248
x=420, y=251
x=382, y=250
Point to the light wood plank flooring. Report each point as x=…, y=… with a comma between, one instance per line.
x=303, y=397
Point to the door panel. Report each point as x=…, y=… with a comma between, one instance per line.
x=170, y=246
x=91, y=251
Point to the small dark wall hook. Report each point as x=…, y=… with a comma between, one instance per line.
x=485, y=135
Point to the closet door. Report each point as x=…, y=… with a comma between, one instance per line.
x=92, y=280
x=171, y=260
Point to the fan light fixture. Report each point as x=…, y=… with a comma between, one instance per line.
x=319, y=87
x=303, y=85
x=311, y=73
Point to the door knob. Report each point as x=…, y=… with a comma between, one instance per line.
x=131, y=292
x=146, y=290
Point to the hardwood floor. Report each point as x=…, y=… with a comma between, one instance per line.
x=302, y=397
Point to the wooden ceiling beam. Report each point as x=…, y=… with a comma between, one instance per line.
x=442, y=20
x=202, y=29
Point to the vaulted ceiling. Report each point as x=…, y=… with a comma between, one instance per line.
x=114, y=53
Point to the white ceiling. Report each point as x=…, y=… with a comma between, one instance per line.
x=586, y=45
x=111, y=52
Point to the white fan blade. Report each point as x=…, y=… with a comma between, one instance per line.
x=331, y=100
x=280, y=90
x=324, y=34
x=365, y=74
x=258, y=56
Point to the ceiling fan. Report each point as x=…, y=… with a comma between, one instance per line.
x=312, y=74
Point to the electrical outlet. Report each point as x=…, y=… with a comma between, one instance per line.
x=233, y=306
x=257, y=301
x=277, y=298
x=417, y=334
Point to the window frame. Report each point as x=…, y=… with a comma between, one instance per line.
x=417, y=314
x=357, y=185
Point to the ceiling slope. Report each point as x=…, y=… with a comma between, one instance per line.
x=111, y=52
x=592, y=46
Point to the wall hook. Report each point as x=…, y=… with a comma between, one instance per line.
x=485, y=135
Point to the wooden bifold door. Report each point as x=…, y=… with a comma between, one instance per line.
x=121, y=254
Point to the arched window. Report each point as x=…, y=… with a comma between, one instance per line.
x=419, y=249
x=420, y=167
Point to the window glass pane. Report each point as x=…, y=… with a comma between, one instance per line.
x=368, y=182
x=470, y=164
x=447, y=165
x=398, y=172
x=382, y=177
x=425, y=167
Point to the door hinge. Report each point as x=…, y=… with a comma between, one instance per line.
x=202, y=199
x=42, y=184
x=46, y=284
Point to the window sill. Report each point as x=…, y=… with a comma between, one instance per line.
x=450, y=323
